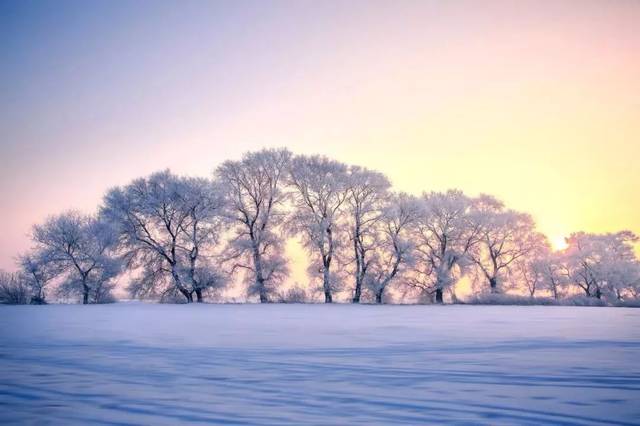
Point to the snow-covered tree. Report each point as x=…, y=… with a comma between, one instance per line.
x=367, y=193
x=393, y=249
x=445, y=232
x=164, y=224
x=204, y=202
x=38, y=272
x=254, y=197
x=505, y=237
x=602, y=264
x=80, y=247
x=320, y=190
x=550, y=270
x=531, y=272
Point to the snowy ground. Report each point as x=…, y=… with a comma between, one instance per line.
x=294, y=364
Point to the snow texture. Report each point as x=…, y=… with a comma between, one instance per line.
x=136, y=363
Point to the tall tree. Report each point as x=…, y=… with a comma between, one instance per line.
x=203, y=201
x=254, y=196
x=367, y=192
x=320, y=190
x=445, y=233
x=393, y=250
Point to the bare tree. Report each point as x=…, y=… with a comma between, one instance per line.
x=445, y=233
x=320, y=188
x=367, y=192
x=80, y=246
x=394, y=248
x=254, y=199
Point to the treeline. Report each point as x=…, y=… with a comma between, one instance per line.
x=179, y=238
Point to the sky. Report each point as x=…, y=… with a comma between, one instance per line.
x=537, y=103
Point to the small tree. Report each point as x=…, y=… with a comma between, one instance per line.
x=320, y=188
x=38, y=271
x=13, y=289
x=367, y=193
x=529, y=272
x=550, y=271
x=254, y=198
x=80, y=247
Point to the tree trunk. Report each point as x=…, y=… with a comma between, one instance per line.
x=257, y=262
x=379, y=295
x=493, y=283
x=358, y=292
x=326, y=284
x=85, y=296
x=439, y=296
x=263, y=291
x=199, y=295
x=187, y=295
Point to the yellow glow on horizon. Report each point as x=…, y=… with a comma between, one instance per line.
x=558, y=243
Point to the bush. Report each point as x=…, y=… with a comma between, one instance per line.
x=509, y=299
x=583, y=301
x=630, y=303
x=35, y=300
x=293, y=295
x=13, y=289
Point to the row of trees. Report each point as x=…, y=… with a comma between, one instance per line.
x=174, y=236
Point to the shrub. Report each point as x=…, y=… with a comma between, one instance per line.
x=13, y=289
x=583, y=301
x=630, y=303
x=509, y=299
x=293, y=295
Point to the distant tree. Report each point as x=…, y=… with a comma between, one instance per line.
x=254, y=196
x=367, y=193
x=531, y=272
x=80, y=247
x=320, y=190
x=550, y=270
x=602, y=264
x=505, y=237
x=446, y=232
x=393, y=250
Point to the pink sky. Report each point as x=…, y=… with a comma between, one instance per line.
x=537, y=103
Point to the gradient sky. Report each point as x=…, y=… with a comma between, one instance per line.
x=537, y=103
